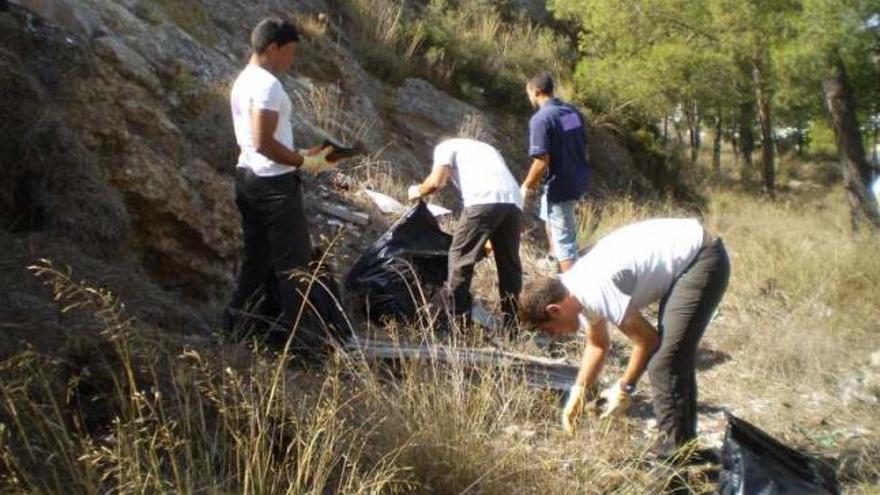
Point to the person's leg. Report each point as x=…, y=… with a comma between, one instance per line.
x=563, y=229
x=250, y=287
x=685, y=313
x=505, y=241
x=472, y=230
x=289, y=242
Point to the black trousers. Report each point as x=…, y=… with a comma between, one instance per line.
x=499, y=223
x=276, y=244
x=685, y=311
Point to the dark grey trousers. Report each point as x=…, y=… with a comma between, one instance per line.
x=499, y=223
x=685, y=311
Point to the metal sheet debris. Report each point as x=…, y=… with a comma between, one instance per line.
x=539, y=372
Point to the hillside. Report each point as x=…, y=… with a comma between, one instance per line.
x=116, y=162
x=118, y=148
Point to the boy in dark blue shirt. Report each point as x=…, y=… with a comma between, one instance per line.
x=558, y=147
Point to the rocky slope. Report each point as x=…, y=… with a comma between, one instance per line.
x=116, y=148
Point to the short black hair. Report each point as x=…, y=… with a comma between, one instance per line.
x=536, y=296
x=273, y=30
x=543, y=82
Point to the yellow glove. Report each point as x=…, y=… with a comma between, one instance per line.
x=574, y=406
x=413, y=193
x=617, y=401
x=316, y=162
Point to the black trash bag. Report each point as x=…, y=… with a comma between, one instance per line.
x=322, y=326
x=384, y=278
x=754, y=463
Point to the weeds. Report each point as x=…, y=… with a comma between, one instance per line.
x=797, y=319
x=469, y=47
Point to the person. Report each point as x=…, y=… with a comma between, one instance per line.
x=492, y=206
x=268, y=190
x=558, y=148
x=674, y=261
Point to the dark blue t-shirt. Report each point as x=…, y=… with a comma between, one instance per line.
x=558, y=130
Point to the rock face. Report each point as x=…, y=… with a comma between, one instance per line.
x=70, y=14
x=117, y=147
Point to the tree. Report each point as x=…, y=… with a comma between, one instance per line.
x=839, y=30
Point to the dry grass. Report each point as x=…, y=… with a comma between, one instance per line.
x=467, y=47
x=798, y=321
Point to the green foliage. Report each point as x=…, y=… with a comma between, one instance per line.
x=822, y=141
x=644, y=60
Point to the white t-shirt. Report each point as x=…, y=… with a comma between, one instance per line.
x=478, y=171
x=256, y=88
x=633, y=266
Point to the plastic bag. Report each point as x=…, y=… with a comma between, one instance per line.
x=754, y=463
x=412, y=254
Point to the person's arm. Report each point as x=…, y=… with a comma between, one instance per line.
x=263, y=125
x=438, y=179
x=536, y=171
x=645, y=340
x=595, y=351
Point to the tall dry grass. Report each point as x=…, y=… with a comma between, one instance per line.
x=473, y=48
x=221, y=420
x=146, y=414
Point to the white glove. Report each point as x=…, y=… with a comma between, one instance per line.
x=316, y=163
x=617, y=400
x=413, y=193
x=574, y=406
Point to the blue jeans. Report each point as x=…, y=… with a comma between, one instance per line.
x=563, y=228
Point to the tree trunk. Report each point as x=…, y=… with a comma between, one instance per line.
x=716, y=147
x=799, y=137
x=746, y=137
x=665, y=129
x=694, y=129
x=763, y=95
x=857, y=172
x=874, y=157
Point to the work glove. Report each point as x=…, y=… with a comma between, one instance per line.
x=526, y=192
x=617, y=400
x=574, y=406
x=413, y=193
x=315, y=162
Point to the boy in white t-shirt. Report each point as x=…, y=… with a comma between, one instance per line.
x=268, y=187
x=673, y=261
x=492, y=204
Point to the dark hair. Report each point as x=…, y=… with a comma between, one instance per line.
x=543, y=82
x=536, y=296
x=273, y=30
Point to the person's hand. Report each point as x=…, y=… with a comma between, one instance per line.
x=617, y=400
x=413, y=193
x=315, y=160
x=526, y=192
x=574, y=406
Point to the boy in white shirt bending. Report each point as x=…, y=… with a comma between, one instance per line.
x=673, y=261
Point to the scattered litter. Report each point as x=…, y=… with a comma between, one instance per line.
x=753, y=462
x=343, y=213
x=386, y=203
x=439, y=211
x=389, y=205
x=484, y=318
